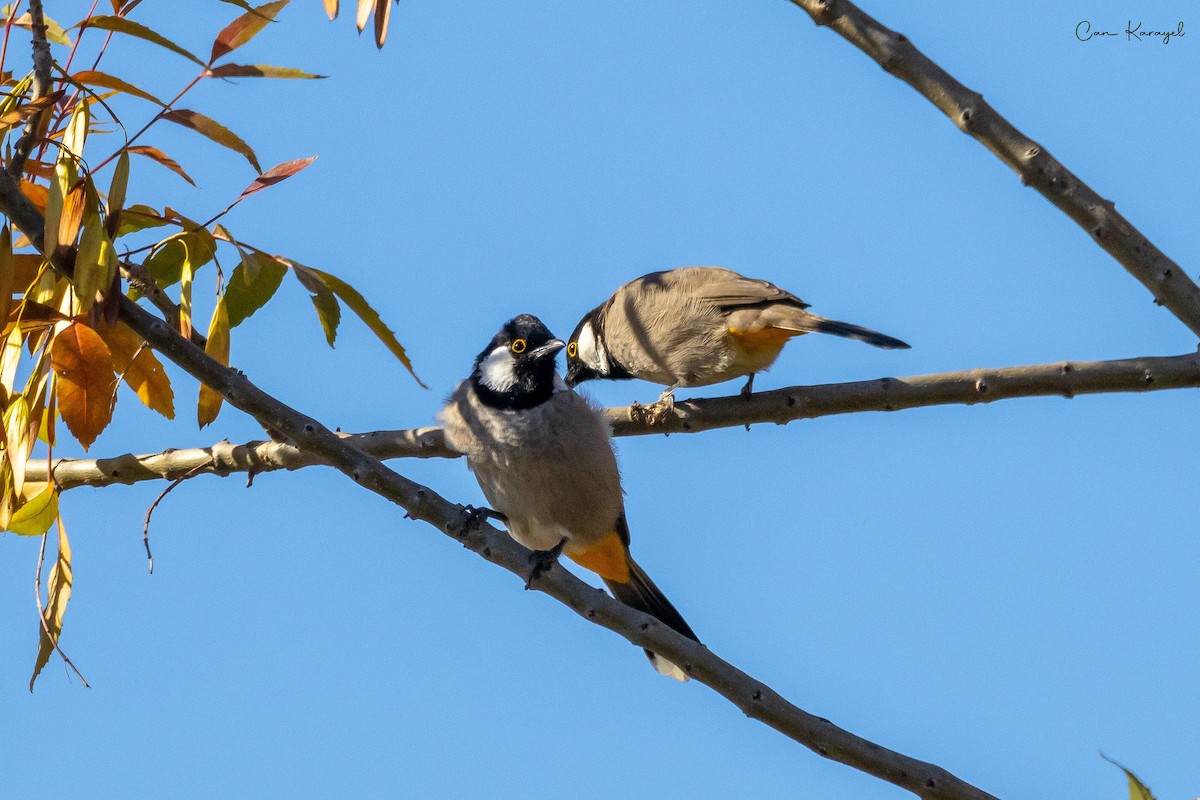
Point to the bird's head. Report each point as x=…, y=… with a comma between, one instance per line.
x=516, y=369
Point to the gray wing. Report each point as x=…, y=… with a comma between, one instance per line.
x=726, y=288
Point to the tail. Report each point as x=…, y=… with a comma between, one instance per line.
x=811, y=323
x=641, y=593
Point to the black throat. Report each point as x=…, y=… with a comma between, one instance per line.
x=534, y=386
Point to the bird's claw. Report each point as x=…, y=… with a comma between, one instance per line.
x=657, y=412
x=542, y=560
x=473, y=517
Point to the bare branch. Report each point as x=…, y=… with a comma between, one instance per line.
x=968, y=110
x=1063, y=379
x=43, y=63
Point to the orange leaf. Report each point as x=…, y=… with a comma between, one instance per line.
x=331, y=8
x=244, y=28
x=30, y=108
x=72, y=215
x=274, y=175
x=37, y=194
x=141, y=369
x=83, y=364
x=155, y=154
x=103, y=79
x=383, y=12
x=206, y=126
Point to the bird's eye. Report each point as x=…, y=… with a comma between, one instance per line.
x=572, y=350
x=518, y=346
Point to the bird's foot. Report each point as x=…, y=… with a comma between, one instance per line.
x=656, y=413
x=542, y=560
x=748, y=389
x=473, y=517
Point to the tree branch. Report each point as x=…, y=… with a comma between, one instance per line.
x=898, y=56
x=754, y=698
x=43, y=63
x=1063, y=379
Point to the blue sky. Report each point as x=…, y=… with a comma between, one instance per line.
x=1001, y=590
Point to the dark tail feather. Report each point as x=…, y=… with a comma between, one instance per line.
x=845, y=329
x=642, y=594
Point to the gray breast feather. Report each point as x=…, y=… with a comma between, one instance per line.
x=550, y=469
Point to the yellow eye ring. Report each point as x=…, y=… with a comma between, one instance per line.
x=572, y=350
x=518, y=346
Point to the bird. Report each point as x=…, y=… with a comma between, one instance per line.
x=543, y=456
x=696, y=326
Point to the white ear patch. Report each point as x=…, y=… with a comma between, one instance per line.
x=496, y=371
x=591, y=350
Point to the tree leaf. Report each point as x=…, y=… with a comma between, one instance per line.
x=155, y=154
x=358, y=304
x=242, y=4
x=131, y=28
x=16, y=430
x=90, y=77
x=83, y=364
x=364, y=13
x=244, y=28
x=275, y=175
x=61, y=578
x=1137, y=789
x=218, y=348
x=96, y=260
x=54, y=32
x=138, y=217
x=178, y=254
x=323, y=300
x=8, y=274
x=37, y=514
x=139, y=367
x=331, y=9
x=37, y=194
x=260, y=71
x=12, y=117
x=206, y=126
x=119, y=185
x=251, y=285
x=383, y=13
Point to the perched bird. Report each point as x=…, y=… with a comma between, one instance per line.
x=696, y=326
x=543, y=457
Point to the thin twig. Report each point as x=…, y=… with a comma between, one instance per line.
x=893, y=51
x=43, y=62
x=150, y=510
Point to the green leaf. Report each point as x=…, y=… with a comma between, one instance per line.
x=358, y=304
x=328, y=310
x=260, y=71
x=37, y=515
x=206, y=126
x=1137, y=789
x=138, y=217
x=131, y=28
x=252, y=284
x=190, y=251
x=106, y=81
x=245, y=28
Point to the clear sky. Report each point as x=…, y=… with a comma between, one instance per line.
x=1002, y=590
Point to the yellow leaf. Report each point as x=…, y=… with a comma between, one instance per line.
x=77, y=129
x=1137, y=789
x=141, y=368
x=83, y=364
x=122, y=25
x=16, y=437
x=37, y=514
x=218, y=348
x=61, y=578
x=10, y=358
x=96, y=261
x=120, y=182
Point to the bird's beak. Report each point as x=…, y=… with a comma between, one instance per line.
x=547, y=350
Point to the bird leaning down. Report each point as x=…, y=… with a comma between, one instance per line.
x=696, y=326
x=543, y=457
